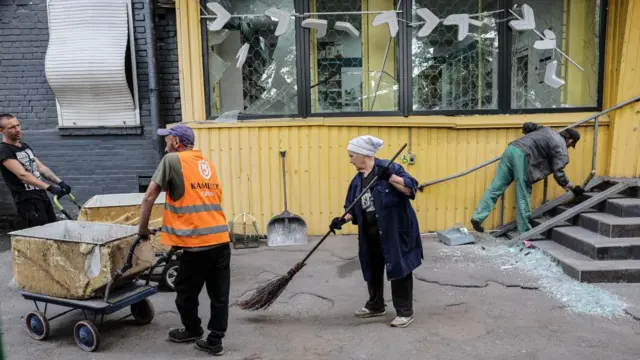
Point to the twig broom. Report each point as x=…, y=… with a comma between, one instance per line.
x=267, y=294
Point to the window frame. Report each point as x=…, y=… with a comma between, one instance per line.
x=405, y=66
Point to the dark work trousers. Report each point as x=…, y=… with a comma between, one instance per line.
x=36, y=212
x=401, y=289
x=197, y=268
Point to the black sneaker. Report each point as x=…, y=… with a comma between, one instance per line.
x=182, y=335
x=476, y=226
x=215, y=350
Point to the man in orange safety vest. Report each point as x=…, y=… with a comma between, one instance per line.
x=193, y=221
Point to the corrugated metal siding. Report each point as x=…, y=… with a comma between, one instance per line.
x=623, y=69
x=190, y=64
x=616, y=25
x=318, y=170
x=85, y=62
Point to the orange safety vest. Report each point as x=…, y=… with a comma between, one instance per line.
x=196, y=219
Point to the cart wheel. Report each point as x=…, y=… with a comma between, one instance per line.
x=37, y=325
x=86, y=335
x=169, y=274
x=143, y=312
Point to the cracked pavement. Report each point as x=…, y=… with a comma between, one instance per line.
x=465, y=308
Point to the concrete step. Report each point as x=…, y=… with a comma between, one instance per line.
x=547, y=234
x=596, y=246
x=590, y=194
x=610, y=225
x=626, y=207
x=562, y=208
x=585, y=269
x=574, y=220
x=633, y=192
x=514, y=234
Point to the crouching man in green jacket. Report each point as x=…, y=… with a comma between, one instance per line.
x=527, y=160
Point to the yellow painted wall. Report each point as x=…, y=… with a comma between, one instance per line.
x=580, y=45
x=622, y=83
x=190, y=64
x=318, y=170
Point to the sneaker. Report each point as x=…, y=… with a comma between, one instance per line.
x=182, y=335
x=366, y=313
x=402, y=322
x=476, y=226
x=215, y=350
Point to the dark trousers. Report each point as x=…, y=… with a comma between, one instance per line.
x=197, y=268
x=401, y=289
x=35, y=212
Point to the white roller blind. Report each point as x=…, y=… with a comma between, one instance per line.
x=85, y=62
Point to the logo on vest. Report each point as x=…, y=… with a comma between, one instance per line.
x=204, y=169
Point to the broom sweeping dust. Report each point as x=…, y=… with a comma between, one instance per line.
x=265, y=295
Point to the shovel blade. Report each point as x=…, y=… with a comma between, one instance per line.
x=283, y=231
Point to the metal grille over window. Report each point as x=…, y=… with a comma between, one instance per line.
x=401, y=56
x=576, y=28
x=265, y=84
x=449, y=74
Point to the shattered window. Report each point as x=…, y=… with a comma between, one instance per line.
x=576, y=27
x=449, y=74
x=349, y=70
x=265, y=84
x=470, y=61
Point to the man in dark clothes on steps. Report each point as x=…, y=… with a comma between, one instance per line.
x=527, y=160
x=23, y=173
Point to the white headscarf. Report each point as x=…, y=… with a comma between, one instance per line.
x=365, y=145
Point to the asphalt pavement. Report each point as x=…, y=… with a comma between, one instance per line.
x=468, y=303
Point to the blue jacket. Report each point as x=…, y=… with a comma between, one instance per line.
x=397, y=223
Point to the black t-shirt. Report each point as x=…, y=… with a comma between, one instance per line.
x=368, y=208
x=25, y=156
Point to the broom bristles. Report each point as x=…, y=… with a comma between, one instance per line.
x=267, y=294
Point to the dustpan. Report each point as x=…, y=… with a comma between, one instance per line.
x=286, y=228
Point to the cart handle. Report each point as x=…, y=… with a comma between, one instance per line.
x=56, y=201
x=128, y=264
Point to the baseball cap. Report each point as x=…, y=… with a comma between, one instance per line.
x=182, y=132
x=571, y=134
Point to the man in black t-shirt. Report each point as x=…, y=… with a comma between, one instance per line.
x=23, y=173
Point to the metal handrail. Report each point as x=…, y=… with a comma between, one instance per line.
x=578, y=123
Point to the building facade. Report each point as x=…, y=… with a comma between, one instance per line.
x=453, y=80
x=93, y=157
x=456, y=92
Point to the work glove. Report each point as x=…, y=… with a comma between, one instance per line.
x=384, y=174
x=56, y=191
x=65, y=187
x=336, y=224
x=577, y=190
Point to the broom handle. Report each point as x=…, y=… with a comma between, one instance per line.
x=354, y=203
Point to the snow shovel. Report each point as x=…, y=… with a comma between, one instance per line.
x=286, y=228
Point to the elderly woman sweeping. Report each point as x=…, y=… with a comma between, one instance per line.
x=388, y=232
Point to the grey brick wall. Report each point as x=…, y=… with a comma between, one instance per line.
x=90, y=164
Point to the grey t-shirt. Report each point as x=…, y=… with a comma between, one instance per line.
x=169, y=176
